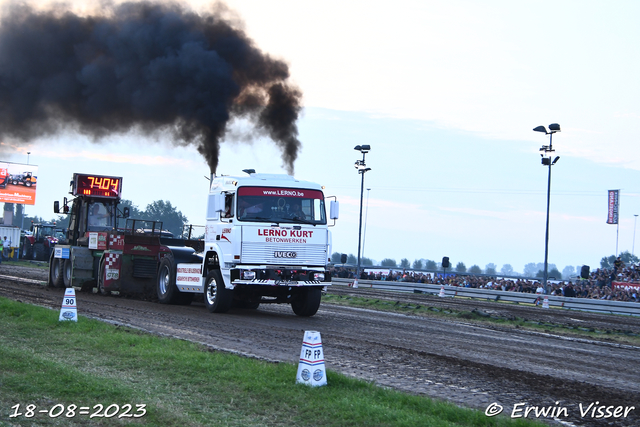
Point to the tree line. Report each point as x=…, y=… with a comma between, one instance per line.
x=172, y=219
x=532, y=269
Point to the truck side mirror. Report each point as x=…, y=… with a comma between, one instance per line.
x=334, y=209
x=126, y=212
x=56, y=207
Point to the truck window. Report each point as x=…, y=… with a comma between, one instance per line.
x=287, y=205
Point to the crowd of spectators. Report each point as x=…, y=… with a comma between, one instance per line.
x=620, y=283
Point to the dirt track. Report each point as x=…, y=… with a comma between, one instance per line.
x=467, y=363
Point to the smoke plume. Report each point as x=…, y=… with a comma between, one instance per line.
x=141, y=66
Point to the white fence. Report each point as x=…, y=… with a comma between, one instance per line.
x=582, y=304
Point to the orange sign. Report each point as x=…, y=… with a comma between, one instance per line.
x=18, y=183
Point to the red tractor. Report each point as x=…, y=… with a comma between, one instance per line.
x=40, y=243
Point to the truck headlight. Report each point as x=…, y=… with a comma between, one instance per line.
x=318, y=277
x=248, y=275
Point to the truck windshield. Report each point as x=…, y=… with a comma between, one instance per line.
x=273, y=204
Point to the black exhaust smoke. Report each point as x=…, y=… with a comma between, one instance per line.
x=143, y=67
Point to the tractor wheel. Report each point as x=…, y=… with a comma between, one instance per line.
x=307, y=302
x=217, y=298
x=56, y=272
x=14, y=182
x=166, y=288
x=67, y=272
x=39, y=252
x=101, y=289
x=27, y=183
x=27, y=250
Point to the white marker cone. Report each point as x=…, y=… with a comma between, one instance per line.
x=545, y=302
x=355, y=283
x=69, y=310
x=441, y=294
x=311, y=370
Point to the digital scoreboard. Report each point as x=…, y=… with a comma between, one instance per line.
x=96, y=186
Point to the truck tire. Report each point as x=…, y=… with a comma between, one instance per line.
x=56, y=272
x=166, y=287
x=307, y=302
x=101, y=289
x=39, y=252
x=217, y=298
x=27, y=250
x=66, y=272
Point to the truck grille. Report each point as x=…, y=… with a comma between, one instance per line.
x=144, y=268
x=264, y=253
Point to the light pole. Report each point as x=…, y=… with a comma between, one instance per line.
x=28, y=153
x=546, y=161
x=633, y=246
x=362, y=169
x=366, y=215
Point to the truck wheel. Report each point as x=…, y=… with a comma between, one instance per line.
x=56, y=272
x=66, y=272
x=167, y=291
x=101, y=289
x=307, y=302
x=39, y=252
x=217, y=298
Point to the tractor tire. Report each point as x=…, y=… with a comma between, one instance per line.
x=14, y=182
x=39, y=252
x=217, y=298
x=56, y=272
x=28, y=183
x=27, y=250
x=67, y=272
x=307, y=302
x=166, y=287
x=101, y=289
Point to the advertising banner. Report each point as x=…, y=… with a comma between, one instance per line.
x=18, y=183
x=614, y=200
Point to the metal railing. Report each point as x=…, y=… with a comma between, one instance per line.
x=581, y=304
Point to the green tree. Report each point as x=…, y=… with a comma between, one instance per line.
x=351, y=259
x=553, y=273
x=388, y=262
x=431, y=265
x=474, y=269
x=490, y=269
x=507, y=270
x=335, y=257
x=172, y=219
x=626, y=257
x=461, y=268
x=404, y=263
x=134, y=212
x=366, y=261
x=417, y=264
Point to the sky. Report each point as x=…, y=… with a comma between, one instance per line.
x=447, y=94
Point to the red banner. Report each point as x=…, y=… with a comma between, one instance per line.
x=626, y=285
x=18, y=183
x=614, y=200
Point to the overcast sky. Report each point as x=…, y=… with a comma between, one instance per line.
x=447, y=94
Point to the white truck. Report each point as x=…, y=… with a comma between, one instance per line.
x=266, y=241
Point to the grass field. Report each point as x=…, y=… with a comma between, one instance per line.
x=54, y=365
